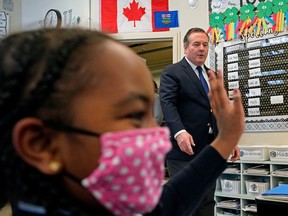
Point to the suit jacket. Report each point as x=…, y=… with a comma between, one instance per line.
x=185, y=105
x=157, y=110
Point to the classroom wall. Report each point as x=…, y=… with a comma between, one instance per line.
x=33, y=12
x=28, y=14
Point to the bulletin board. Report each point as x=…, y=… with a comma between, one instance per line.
x=260, y=70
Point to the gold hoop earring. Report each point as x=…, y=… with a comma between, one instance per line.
x=55, y=166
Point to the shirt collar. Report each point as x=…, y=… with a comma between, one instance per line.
x=193, y=65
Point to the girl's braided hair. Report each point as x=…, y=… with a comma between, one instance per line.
x=39, y=76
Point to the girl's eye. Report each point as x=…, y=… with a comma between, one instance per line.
x=137, y=118
x=137, y=115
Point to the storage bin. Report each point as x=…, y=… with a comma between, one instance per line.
x=256, y=187
x=259, y=153
x=278, y=153
x=230, y=186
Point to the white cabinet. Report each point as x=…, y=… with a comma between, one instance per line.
x=242, y=181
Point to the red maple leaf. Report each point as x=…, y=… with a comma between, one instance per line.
x=134, y=13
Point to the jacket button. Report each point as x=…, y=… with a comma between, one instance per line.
x=211, y=110
x=208, y=125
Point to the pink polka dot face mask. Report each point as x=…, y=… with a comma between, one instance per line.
x=128, y=179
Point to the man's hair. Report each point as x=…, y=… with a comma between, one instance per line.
x=193, y=30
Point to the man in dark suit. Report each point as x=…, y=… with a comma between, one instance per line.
x=186, y=107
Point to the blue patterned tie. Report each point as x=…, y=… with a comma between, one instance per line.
x=202, y=79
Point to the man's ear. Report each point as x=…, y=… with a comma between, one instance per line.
x=185, y=46
x=35, y=144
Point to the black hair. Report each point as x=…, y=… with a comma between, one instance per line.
x=38, y=71
x=193, y=30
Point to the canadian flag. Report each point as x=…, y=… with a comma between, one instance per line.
x=130, y=15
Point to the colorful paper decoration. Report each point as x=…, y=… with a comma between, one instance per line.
x=249, y=20
x=246, y=16
x=280, y=10
x=216, y=20
x=231, y=23
x=264, y=12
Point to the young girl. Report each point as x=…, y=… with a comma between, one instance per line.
x=77, y=133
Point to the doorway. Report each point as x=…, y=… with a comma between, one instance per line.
x=156, y=54
x=159, y=49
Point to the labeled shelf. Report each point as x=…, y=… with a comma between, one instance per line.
x=243, y=181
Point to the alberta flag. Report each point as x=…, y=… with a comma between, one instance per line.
x=166, y=19
x=131, y=15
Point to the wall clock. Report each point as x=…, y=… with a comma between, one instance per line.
x=53, y=19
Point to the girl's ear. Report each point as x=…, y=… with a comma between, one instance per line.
x=36, y=145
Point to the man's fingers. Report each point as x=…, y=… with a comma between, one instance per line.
x=189, y=149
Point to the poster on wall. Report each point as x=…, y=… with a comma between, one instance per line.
x=251, y=44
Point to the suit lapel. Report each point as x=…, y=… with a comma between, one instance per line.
x=192, y=75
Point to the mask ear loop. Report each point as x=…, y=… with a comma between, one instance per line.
x=69, y=129
x=71, y=176
x=56, y=167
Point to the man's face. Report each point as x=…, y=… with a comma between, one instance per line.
x=197, y=49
